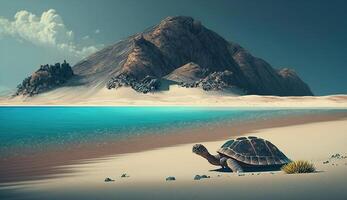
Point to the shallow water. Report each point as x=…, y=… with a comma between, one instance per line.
x=38, y=127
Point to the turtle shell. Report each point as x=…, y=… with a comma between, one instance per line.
x=253, y=151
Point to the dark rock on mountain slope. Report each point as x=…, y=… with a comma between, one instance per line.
x=145, y=85
x=46, y=78
x=182, y=50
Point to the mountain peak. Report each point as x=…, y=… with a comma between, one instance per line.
x=180, y=23
x=177, y=20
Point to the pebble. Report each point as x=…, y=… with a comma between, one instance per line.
x=108, y=180
x=198, y=177
x=170, y=178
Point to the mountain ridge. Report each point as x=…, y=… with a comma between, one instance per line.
x=144, y=60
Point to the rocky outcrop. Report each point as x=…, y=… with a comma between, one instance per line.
x=46, y=78
x=218, y=81
x=213, y=81
x=145, y=85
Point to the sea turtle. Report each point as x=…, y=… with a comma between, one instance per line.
x=245, y=154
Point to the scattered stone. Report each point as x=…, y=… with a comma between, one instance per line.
x=124, y=175
x=241, y=174
x=170, y=178
x=198, y=177
x=326, y=162
x=336, y=156
x=108, y=180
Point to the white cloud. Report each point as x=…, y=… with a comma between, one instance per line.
x=97, y=31
x=46, y=30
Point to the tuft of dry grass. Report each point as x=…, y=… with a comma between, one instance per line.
x=298, y=167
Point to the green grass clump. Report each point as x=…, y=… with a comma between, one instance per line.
x=298, y=167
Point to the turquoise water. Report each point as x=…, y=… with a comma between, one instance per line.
x=39, y=127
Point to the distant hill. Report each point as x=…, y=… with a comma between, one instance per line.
x=184, y=52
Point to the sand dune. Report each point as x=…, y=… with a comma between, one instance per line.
x=81, y=95
x=315, y=142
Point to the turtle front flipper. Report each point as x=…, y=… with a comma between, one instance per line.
x=234, y=165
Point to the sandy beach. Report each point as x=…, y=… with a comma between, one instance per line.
x=174, y=96
x=315, y=140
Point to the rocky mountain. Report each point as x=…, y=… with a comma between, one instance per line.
x=181, y=50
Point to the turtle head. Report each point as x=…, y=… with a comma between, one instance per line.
x=200, y=150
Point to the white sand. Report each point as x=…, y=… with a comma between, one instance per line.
x=81, y=95
x=314, y=142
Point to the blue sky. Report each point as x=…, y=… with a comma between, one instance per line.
x=309, y=36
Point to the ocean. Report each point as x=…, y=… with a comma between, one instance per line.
x=36, y=128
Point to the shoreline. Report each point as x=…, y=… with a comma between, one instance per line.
x=147, y=171
x=45, y=164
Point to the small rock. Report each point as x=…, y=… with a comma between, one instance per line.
x=198, y=177
x=337, y=156
x=124, y=175
x=170, y=178
x=326, y=162
x=108, y=180
x=241, y=174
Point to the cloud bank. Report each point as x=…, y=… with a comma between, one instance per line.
x=47, y=30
